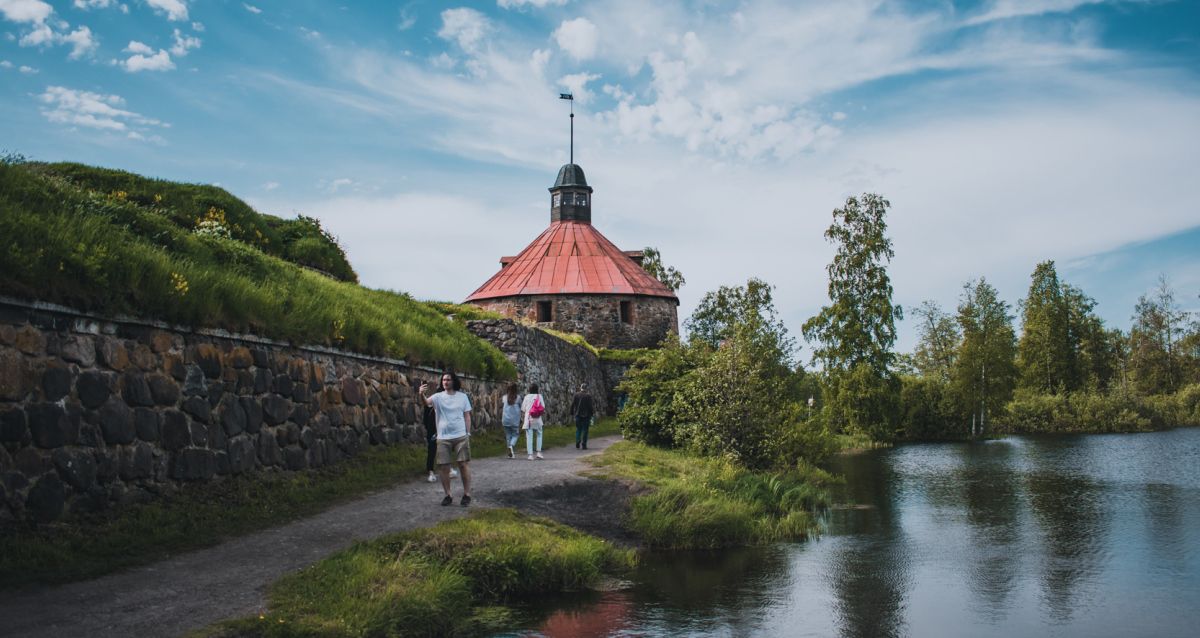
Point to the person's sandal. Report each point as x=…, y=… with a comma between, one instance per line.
x=448, y=500
x=466, y=500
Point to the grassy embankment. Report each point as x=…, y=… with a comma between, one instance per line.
x=448, y=580
x=117, y=243
x=204, y=515
x=708, y=503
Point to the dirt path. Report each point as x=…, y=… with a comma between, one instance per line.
x=193, y=590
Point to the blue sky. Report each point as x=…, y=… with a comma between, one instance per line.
x=424, y=134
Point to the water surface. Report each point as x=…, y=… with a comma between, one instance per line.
x=1089, y=535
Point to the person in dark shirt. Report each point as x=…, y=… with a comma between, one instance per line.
x=583, y=410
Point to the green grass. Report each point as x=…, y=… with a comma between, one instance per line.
x=112, y=254
x=706, y=503
x=204, y=515
x=440, y=581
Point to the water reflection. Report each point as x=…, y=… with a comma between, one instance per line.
x=1067, y=536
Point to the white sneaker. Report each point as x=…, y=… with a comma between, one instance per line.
x=453, y=473
x=539, y=456
x=510, y=452
x=530, y=457
x=432, y=478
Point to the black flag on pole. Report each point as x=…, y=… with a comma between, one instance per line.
x=566, y=96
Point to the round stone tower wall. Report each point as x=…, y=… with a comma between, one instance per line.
x=606, y=321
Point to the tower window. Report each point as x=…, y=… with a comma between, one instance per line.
x=626, y=313
x=543, y=312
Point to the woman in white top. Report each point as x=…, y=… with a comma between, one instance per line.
x=533, y=424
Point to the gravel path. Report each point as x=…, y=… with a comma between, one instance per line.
x=196, y=589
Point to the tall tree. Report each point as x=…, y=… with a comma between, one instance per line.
x=1159, y=325
x=1045, y=357
x=856, y=331
x=1095, y=353
x=652, y=263
x=751, y=308
x=859, y=325
x=985, y=372
x=937, y=342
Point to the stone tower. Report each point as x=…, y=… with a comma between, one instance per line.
x=572, y=278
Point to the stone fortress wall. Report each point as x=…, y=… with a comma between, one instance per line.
x=100, y=412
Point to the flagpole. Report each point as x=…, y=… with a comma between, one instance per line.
x=571, y=98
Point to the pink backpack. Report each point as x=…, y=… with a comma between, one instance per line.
x=536, y=410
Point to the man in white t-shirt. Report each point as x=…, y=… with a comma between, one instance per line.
x=453, y=410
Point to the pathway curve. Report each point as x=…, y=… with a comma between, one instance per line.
x=196, y=589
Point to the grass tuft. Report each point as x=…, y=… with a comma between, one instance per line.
x=706, y=503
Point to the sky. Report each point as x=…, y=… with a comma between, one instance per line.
x=425, y=134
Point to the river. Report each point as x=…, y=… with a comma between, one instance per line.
x=1066, y=536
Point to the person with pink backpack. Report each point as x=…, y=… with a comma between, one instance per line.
x=534, y=408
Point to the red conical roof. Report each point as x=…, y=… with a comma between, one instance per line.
x=571, y=257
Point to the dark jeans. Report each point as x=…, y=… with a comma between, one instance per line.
x=582, y=423
x=430, y=451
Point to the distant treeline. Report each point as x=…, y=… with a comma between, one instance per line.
x=1062, y=371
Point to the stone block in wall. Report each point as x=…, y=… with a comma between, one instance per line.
x=142, y=357
x=241, y=454
x=275, y=409
x=198, y=408
x=116, y=422
x=136, y=390
x=136, y=462
x=79, y=349
x=254, y=414
x=49, y=425
x=198, y=433
x=268, y=448
x=173, y=365
x=77, y=467
x=352, y=392
x=56, y=382
x=8, y=334
x=193, y=464
x=13, y=428
x=30, y=340
x=193, y=381
x=282, y=385
x=208, y=357
x=294, y=458
x=46, y=498
x=16, y=375
x=239, y=358
x=316, y=456
x=146, y=424
x=232, y=415
x=223, y=468
x=287, y=434
x=93, y=389
x=163, y=389
x=263, y=380
x=112, y=354
x=299, y=415
x=176, y=433
x=216, y=436
x=107, y=464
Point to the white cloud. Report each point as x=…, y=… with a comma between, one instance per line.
x=93, y=4
x=183, y=43
x=578, y=38
x=517, y=4
x=465, y=26
x=576, y=84
x=32, y=11
x=174, y=9
x=28, y=70
x=252, y=9
x=145, y=59
x=93, y=110
x=1005, y=9
x=81, y=41
x=5, y=64
x=198, y=27
x=270, y=186
x=407, y=20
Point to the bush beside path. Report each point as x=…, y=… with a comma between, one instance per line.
x=194, y=590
